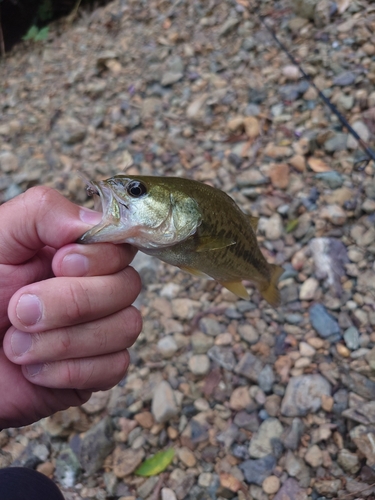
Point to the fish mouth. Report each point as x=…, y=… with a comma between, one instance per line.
x=105, y=202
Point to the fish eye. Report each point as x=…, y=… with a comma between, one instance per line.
x=136, y=189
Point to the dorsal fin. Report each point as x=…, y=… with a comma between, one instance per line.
x=253, y=222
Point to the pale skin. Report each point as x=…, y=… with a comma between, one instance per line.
x=66, y=318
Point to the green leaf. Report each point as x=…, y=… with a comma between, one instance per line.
x=31, y=34
x=42, y=35
x=156, y=464
x=292, y=225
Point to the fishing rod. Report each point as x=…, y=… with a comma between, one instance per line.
x=362, y=163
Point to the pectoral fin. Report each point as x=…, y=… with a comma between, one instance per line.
x=207, y=243
x=236, y=287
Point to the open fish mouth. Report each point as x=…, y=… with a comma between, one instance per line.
x=105, y=202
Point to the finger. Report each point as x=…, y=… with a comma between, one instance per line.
x=92, y=260
x=60, y=302
x=101, y=372
x=39, y=217
x=107, y=335
x=14, y=277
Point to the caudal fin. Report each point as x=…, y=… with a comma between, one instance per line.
x=270, y=293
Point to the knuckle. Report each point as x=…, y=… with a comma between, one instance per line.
x=78, y=374
x=77, y=302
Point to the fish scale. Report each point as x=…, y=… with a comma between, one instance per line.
x=188, y=224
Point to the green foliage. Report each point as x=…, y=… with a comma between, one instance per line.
x=36, y=34
x=45, y=11
x=156, y=464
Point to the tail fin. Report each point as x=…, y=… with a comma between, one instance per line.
x=270, y=293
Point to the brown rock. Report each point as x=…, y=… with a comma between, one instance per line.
x=126, y=460
x=279, y=175
x=145, y=419
x=240, y=398
x=298, y=162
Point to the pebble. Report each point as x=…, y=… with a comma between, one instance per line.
x=126, y=460
x=199, y=364
x=164, y=406
x=68, y=468
x=334, y=214
x=70, y=130
x=292, y=436
x=272, y=227
x=323, y=322
x=201, y=342
x=8, y=162
x=186, y=456
x=291, y=490
x=348, y=461
x=271, y=485
x=363, y=132
x=256, y=471
x=336, y=143
x=168, y=494
x=303, y=395
x=240, y=399
x=223, y=356
x=167, y=347
x=314, y=456
x=261, y=444
x=306, y=350
x=96, y=445
x=351, y=338
x=291, y=72
x=249, y=366
x=308, y=289
x=248, y=333
x=327, y=486
x=279, y=175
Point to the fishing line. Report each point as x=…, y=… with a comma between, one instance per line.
x=370, y=153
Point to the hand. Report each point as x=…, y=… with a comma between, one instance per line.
x=66, y=318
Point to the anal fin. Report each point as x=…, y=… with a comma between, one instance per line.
x=237, y=288
x=193, y=271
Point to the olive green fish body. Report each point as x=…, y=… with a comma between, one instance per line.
x=188, y=224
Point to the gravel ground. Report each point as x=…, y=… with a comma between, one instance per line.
x=257, y=403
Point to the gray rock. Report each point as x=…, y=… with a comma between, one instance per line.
x=293, y=434
x=211, y=326
x=296, y=467
x=261, y=442
x=68, y=468
x=96, y=445
x=249, y=366
x=201, y=343
x=248, y=334
x=169, y=78
x=256, y=471
x=291, y=490
x=348, y=461
x=223, y=356
x=167, y=346
x=228, y=26
x=336, y=143
x=364, y=437
x=248, y=421
x=359, y=384
x=164, y=405
x=344, y=79
x=199, y=364
x=70, y=130
x=332, y=179
x=8, y=162
x=351, y=337
x=266, y=378
x=303, y=395
x=146, y=488
x=323, y=323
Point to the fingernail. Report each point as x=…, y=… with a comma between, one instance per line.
x=90, y=216
x=29, y=309
x=33, y=370
x=21, y=342
x=74, y=264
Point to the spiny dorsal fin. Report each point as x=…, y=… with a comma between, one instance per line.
x=253, y=222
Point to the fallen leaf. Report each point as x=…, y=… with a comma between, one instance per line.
x=156, y=464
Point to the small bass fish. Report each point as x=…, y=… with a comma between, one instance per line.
x=191, y=225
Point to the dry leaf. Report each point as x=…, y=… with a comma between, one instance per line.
x=318, y=165
x=342, y=5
